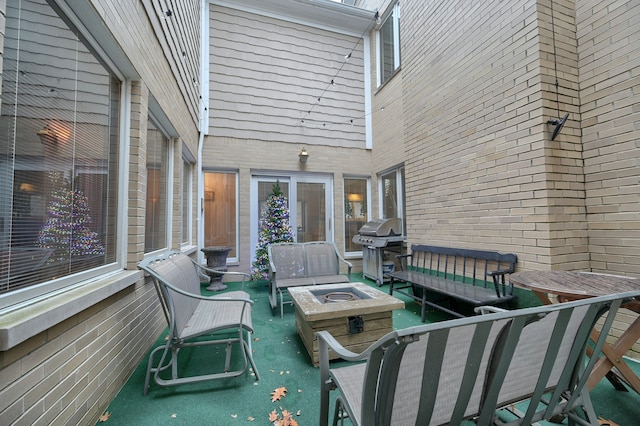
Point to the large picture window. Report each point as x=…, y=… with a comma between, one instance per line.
x=388, y=53
x=58, y=149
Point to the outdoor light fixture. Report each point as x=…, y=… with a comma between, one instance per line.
x=47, y=136
x=558, y=123
x=304, y=156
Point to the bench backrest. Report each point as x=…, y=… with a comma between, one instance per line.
x=178, y=271
x=443, y=372
x=287, y=260
x=298, y=260
x=459, y=264
x=321, y=258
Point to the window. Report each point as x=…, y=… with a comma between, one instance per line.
x=220, y=211
x=187, y=199
x=356, y=210
x=157, y=222
x=59, y=141
x=388, y=53
x=392, y=195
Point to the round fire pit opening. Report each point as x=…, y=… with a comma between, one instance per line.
x=339, y=296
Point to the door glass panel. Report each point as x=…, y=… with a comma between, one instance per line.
x=311, y=212
x=220, y=210
x=265, y=188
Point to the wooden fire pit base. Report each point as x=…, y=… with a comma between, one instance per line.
x=356, y=324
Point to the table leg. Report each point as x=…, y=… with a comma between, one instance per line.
x=613, y=358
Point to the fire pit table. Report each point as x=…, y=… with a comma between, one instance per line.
x=354, y=313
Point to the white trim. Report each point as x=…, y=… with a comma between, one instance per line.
x=123, y=178
x=368, y=119
x=203, y=123
x=325, y=15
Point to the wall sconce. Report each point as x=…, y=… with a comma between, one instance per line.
x=304, y=156
x=47, y=136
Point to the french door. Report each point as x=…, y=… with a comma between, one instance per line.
x=309, y=200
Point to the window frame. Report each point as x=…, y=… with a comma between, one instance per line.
x=399, y=172
x=392, y=16
x=186, y=222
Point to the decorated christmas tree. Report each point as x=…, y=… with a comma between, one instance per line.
x=67, y=230
x=274, y=228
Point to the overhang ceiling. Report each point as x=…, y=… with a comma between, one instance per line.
x=323, y=14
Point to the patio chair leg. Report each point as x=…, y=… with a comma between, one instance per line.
x=227, y=361
x=281, y=305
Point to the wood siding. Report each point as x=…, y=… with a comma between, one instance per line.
x=271, y=81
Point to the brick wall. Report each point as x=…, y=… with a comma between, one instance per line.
x=70, y=372
x=608, y=39
x=479, y=85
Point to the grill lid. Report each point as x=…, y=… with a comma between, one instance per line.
x=382, y=227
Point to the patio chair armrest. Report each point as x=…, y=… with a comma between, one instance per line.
x=483, y=310
x=326, y=341
x=203, y=268
x=215, y=298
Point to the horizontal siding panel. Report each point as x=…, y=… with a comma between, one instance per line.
x=271, y=80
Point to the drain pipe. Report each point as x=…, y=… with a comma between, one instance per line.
x=203, y=121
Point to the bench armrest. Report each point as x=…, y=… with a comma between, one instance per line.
x=402, y=259
x=499, y=272
x=346, y=262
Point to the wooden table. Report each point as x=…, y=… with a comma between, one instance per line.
x=356, y=324
x=578, y=285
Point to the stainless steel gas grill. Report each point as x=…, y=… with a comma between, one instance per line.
x=376, y=237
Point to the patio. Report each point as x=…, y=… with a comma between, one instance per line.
x=284, y=362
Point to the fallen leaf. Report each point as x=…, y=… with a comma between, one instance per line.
x=298, y=412
x=250, y=419
x=604, y=422
x=104, y=417
x=234, y=416
x=273, y=416
x=173, y=416
x=278, y=394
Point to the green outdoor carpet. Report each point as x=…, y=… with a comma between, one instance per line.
x=283, y=361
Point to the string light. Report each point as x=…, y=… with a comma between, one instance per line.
x=332, y=83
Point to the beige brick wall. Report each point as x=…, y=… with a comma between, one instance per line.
x=608, y=39
x=482, y=171
x=70, y=372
